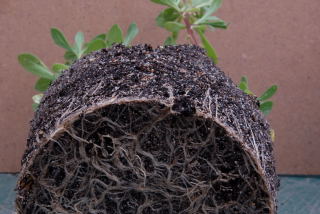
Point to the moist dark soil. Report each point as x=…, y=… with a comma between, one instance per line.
x=143, y=130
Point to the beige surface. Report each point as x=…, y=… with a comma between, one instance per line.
x=269, y=41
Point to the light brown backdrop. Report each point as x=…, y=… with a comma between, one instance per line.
x=272, y=42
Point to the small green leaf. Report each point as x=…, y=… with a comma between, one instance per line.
x=37, y=98
x=201, y=3
x=243, y=85
x=34, y=65
x=60, y=40
x=170, y=41
x=79, y=42
x=174, y=26
x=202, y=28
x=218, y=24
x=57, y=68
x=131, y=33
x=170, y=3
x=70, y=56
x=215, y=5
x=208, y=47
x=114, y=35
x=35, y=106
x=212, y=19
x=266, y=107
x=42, y=84
x=244, y=79
x=102, y=36
x=95, y=45
x=200, y=14
x=193, y=10
x=268, y=93
x=168, y=15
x=247, y=91
x=175, y=35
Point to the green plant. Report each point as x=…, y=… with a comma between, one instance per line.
x=194, y=16
x=73, y=52
x=264, y=102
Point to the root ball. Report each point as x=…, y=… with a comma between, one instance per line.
x=142, y=130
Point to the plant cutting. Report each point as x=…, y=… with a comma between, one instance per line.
x=136, y=129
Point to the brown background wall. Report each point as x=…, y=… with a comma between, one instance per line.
x=272, y=42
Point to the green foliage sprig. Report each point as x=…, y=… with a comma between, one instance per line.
x=194, y=16
x=73, y=52
x=264, y=103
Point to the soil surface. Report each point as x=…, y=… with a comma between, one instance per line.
x=143, y=130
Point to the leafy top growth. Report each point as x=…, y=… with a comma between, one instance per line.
x=73, y=52
x=265, y=105
x=195, y=16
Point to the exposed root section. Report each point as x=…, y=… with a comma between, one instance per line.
x=142, y=158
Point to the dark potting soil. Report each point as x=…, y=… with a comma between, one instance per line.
x=162, y=105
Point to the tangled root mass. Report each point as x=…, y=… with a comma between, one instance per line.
x=143, y=157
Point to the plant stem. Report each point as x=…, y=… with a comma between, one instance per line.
x=189, y=29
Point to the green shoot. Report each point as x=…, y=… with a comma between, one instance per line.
x=194, y=16
x=264, y=103
x=73, y=52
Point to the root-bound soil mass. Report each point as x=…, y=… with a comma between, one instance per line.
x=142, y=130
